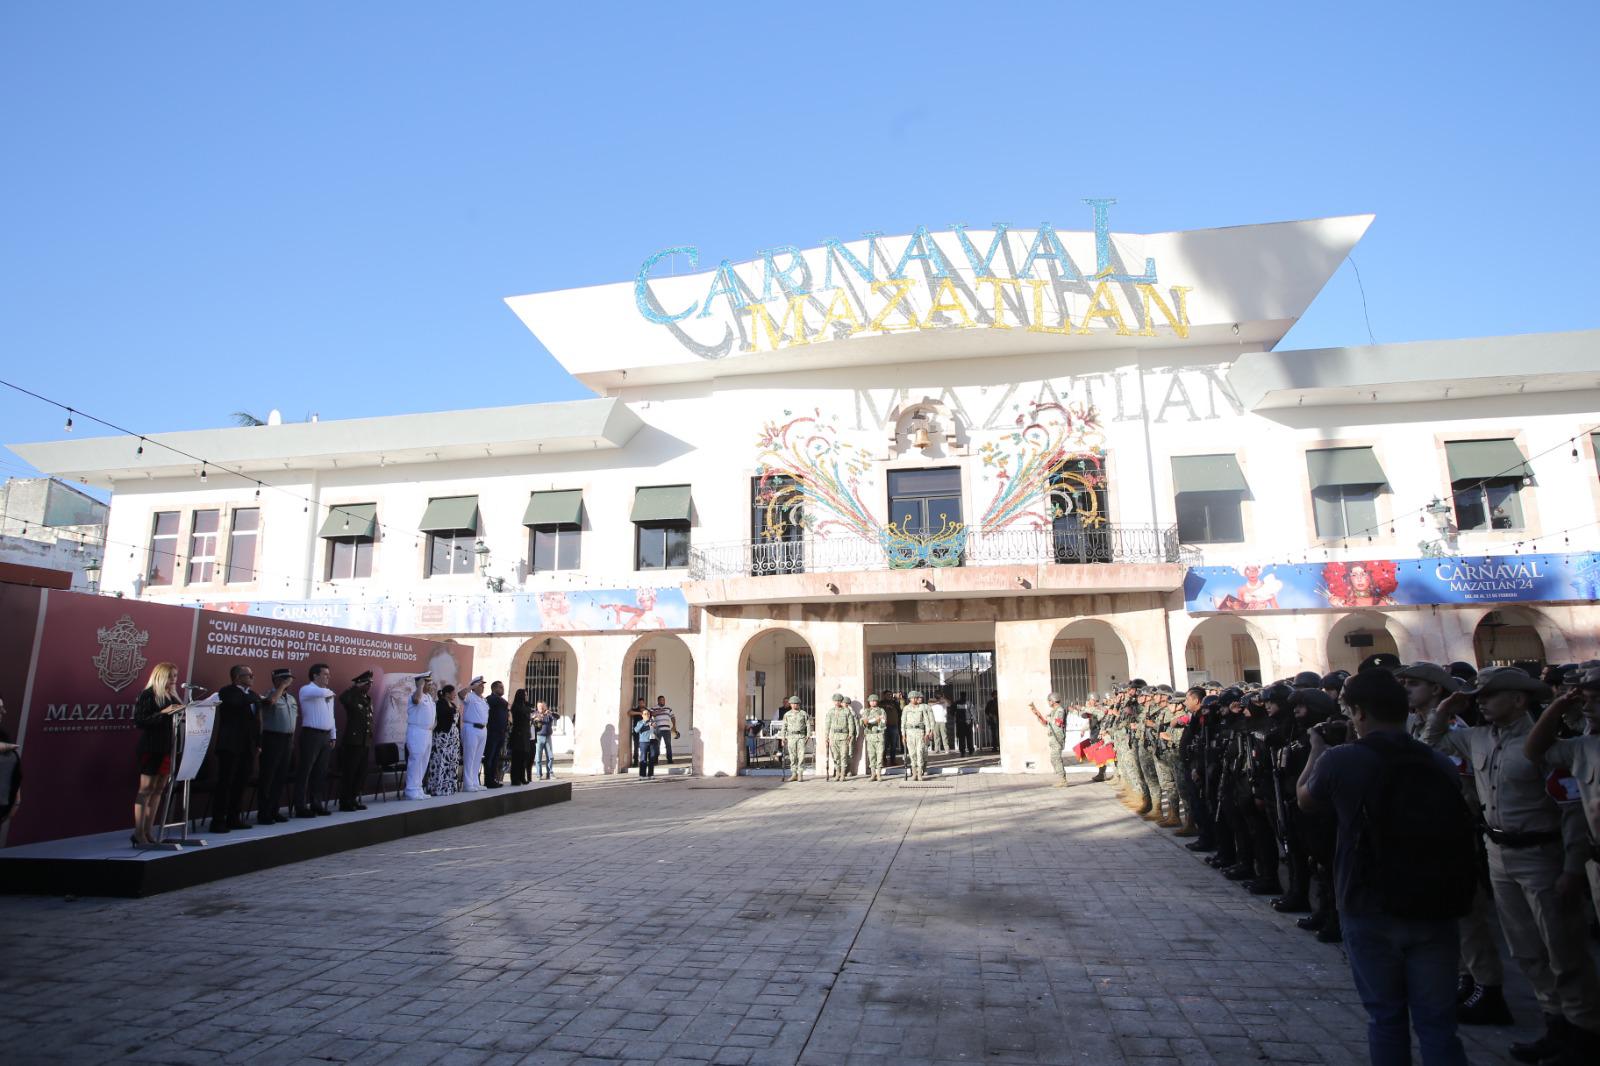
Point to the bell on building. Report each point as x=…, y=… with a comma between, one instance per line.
x=920, y=438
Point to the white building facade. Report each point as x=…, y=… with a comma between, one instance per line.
x=991, y=464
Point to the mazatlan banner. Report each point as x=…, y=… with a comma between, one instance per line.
x=1460, y=579
x=75, y=665
x=557, y=610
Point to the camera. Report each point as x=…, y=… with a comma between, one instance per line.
x=1333, y=731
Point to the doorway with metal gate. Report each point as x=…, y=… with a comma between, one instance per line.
x=962, y=683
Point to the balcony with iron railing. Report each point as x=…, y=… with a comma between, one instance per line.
x=956, y=559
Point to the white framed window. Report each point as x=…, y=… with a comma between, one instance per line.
x=163, y=566
x=557, y=547
x=451, y=552
x=349, y=558
x=243, y=534
x=203, y=527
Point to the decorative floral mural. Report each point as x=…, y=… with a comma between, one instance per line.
x=812, y=481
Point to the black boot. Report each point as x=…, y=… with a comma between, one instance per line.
x=1552, y=1043
x=1312, y=923
x=1484, y=1005
x=1291, y=904
x=1263, y=886
x=1464, y=986
x=1331, y=933
x=1201, y=845
x=1242, y=872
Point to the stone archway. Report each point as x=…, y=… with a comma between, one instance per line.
x=773, y=665
x=1505, y=636
x=1355, y=636
x=547, y=666
x=1224, y=648
x=1088, y=655
x=656, y=665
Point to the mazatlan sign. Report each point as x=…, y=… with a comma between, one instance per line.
x=1022, y=279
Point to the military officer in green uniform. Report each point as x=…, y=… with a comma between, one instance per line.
x=841, y=730
x=874, y=724
x=796, y=729
x=1056, y=723
x=916, y=722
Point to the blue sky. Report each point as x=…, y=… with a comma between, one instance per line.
x=319, y=207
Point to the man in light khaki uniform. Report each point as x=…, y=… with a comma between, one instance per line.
x=841, y=733
x=1536, y=854
x=1483, y=1002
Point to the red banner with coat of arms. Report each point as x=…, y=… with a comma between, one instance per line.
x=75, y=664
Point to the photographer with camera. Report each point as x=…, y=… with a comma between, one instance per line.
x=1404, y=850
x=1537, y=849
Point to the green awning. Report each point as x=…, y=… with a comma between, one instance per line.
x=560, y=508
x=1344, y=466
x=664, y=503
x=449, y=514
x=1475, y=460
x=1207, y=473
x=351, y=520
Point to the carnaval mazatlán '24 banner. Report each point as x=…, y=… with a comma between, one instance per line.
x=1463, y=579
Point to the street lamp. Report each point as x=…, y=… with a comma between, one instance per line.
x=1441, y=513
x=495, y=584
x=91, y=575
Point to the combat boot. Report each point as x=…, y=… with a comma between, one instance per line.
x=1485, y=1005
x=1188, y=828
x=1548, y=1046
x=1331, y=931
x=1144, y=807
x=1061, y=782
x=1171, y=821
x=1101, y=776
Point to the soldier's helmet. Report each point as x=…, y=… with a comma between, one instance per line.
x=840, y=697
x=793, y=701
x=913, y=695
x=872, y=697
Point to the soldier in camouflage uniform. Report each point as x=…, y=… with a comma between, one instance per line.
x=796, y=728
x=1168, y=734
x=916, y=722
x=1056, y=723
x=1142, y=796
x=841, y=730
x=874, y=724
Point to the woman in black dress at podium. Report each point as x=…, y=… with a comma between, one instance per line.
x=152, y=713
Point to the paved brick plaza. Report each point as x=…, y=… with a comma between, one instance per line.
x=980, y=918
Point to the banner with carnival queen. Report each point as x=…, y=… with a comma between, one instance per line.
x=1459, y=579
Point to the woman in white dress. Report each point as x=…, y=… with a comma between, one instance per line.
x=421, y=715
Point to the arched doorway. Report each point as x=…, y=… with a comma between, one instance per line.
x=1222, y=649
x=1354, y=637
x=774, y=665
x=547, y=667
x=1087, y=656
x=659, y=665
x=1509, y=636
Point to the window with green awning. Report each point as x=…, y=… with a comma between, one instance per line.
x=1207, y=473
x=350, y=520
x=1343, y=466
x=661, y=503
x=450, y=514
x=1479, y=460
x=561, y=507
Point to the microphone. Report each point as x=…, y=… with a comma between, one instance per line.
x=191, y=687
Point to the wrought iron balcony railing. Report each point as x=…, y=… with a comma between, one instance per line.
x=833, y=554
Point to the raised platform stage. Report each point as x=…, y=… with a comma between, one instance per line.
x=108, y=865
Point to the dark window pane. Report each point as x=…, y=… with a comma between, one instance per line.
x=242, y=545
x=944, y=511
x=544, y=550
x=677, y=549
x=1360, y=511
x=363, y=558
x=567, y=549
x=942, y=482
x=1470, y=513
x=1326, y=503
x=652, y=548
x=1210, y=517
x=1505, y=504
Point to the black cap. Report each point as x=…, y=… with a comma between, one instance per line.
x=1315, y=701
x=1380, y=660
x=364, y=677
x=281, y=674
x=1307, y=679
x=1336, y=679
x=1465, y=671
x=1279, y=694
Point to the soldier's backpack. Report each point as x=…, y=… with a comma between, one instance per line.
x=1416, y=841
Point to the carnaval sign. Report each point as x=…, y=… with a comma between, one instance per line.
x=1393, y=583
x=1022, y=279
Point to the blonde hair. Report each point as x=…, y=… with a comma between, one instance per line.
x=164, y=679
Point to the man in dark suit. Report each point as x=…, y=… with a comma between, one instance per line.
x=234, y=738
x=499, y=725
x=355, y=740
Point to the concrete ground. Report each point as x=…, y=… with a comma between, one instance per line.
x=972, y=918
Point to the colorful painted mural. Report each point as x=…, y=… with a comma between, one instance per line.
x=1049, y=468
x=556, y=610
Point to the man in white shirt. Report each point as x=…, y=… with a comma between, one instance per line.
x=317, y=734
x=941, y=716
x=474, y=734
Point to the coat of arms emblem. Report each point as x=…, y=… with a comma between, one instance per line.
x=119, y=661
